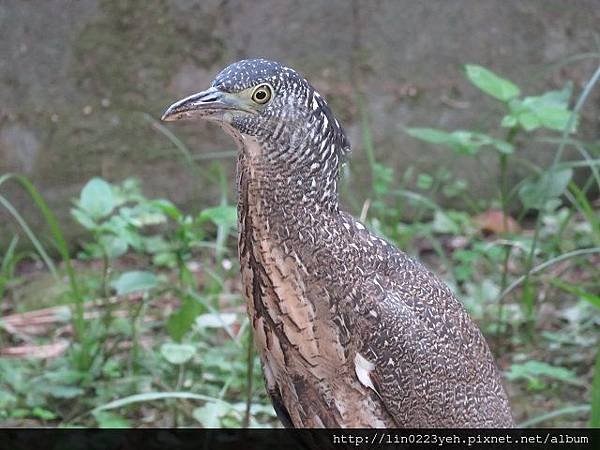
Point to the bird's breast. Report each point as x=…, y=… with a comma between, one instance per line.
x=307, y=360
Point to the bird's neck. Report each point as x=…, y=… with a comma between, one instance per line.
x=288, y=184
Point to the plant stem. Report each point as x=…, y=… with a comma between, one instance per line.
x=504, y=197
x=249, y=378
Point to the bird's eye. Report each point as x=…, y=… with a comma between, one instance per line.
x=262, y=94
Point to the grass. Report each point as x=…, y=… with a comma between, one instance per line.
x=150, y=327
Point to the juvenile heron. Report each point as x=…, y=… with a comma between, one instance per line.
x=352, y=332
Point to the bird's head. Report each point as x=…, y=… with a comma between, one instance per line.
x=270, y=102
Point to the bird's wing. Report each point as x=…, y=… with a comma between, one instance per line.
x=429, y=363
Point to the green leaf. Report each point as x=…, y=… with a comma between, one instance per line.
x=64, y=376
x=182, y=320
x=549, y=114
x=224, y=215
x=60, y=391
x=575, y=290
x=443, y=223
x=142, y=215
x=548, y=186
x=491, y=84
x=461, y=141
x=431, y=135
x=19, y=413
x=529, y=121
x=177, y=353
x=43, y=414
x=96, y=198
x=509, y=121
x=107, y=419
x=424, y=181
x=534, y=369
x=454, y=188
x=167, y=207
x=114, y=246
x=383, y=177
x=134, y=281
x=84, y=219
x=503, y=146
x=156, y=244
x=165, y=259
x=210, y=414
x=549, y=110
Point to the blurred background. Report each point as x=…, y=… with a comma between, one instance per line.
x=474, y=127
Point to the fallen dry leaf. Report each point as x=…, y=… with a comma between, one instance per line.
x=36, y=351
x=494, y=222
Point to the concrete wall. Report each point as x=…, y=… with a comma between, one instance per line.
x=81, y=81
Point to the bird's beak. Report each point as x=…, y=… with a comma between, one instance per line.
x=209, y=104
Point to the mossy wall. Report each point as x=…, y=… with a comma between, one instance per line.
x=82, y=82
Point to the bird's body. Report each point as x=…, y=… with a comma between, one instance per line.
x=352, y=332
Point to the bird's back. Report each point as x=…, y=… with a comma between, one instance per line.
x=431, y=365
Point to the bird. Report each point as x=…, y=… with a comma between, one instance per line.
x=351, y=331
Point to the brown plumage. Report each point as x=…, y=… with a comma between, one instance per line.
x=352, y=332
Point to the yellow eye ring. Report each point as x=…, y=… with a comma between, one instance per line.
x=262, y=94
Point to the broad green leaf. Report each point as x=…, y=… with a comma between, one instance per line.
x=529, y=121
x=210, y=414
x=560, y=97
x=165, y=259
x=114, y=246
x=107, y=419
x=84, y=218
x=555, y=118
x=96, y=198
x=134, y=281
x=182, y=320
x=547, y=113
x=549, y=186
x=42, y=413
x=142, y=215
x=424, y=181
x=461, y=141
x=509, y=121
x=19, y=413
x=467, y=142
x=60, y=391
x=219, y=320
x=491, y=84
x=454, y=188
x=65, y=376
x=383, y=177
x=224, y=215
x=503, y=146
x=431, y=135
x=534, y=369
x=177, y=353
x=443, y=223
x=130, y=190
x=549, y=110
x=167, y=207
x=156, y=244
